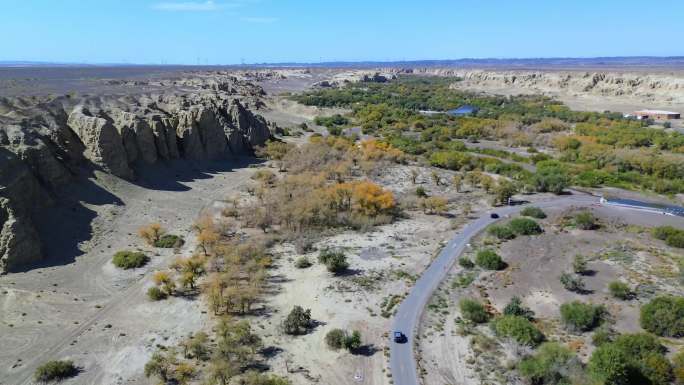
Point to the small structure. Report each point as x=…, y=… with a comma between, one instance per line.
x=656, y=114
x=463, y=110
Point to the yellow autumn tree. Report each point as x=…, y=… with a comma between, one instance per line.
x=371, y=199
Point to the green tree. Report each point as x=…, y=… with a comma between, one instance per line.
x=525, y=226
x=334, y=260
x=515, y=307
x=551, y=364
x=55, y=371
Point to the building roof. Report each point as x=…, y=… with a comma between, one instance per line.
x=656, y=112
x=463, y=110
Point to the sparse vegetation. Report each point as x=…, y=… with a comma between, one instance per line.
x=473, y=311
x=156, y=294
x=620, y=290
x=466, y=263
x=334, y=260
x=337, y=339
x=582, y=317
x=298, y=322
x=534, y=212
x=579, y=265
x=552, y=364
x=572, y=282
x=585, y=220
x=151, y=233
x=169, y=241
x=525, y=226
x=515, y=307
x=130, y=259
x=302, y=263
x=54, y=371
x=501, y=232
x=518, y=328
x=664, y=316
x=489, y=259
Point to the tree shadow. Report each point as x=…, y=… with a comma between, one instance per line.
x=365, y=350
x=271, y=351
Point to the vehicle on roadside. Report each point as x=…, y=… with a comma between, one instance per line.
x=399, y=337
x=494, y=216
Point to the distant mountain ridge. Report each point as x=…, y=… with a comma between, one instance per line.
x=501, y=63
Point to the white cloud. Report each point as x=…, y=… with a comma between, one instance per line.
x=262, y=20
x=192, y=6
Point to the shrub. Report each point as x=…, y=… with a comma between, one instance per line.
x=55, y=371
x=551, y=364
x=156, y=294
x=534, y=212
x=572, y=282
x=302, y=263
x=298, y=321
x=664, y=316
x=579, y=264
x=130, y=259
x=466, y=263
x=520, y=329
x=169, y=241
x=473, y=311
x=586, y=221
x=662, y=232
x=582, y=317
x=420, y=192
x=610, y=365
x=602, y=336
x=353, y=341
x=524, y=226
x=334, y=260
x=678, y=362
x=489, y=259
x=620, y=290
x=676, y=240
x=501, y=232
x=335, y=339
x=515, y=307
x=151, y=233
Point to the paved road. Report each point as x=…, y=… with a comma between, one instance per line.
x=402, y=360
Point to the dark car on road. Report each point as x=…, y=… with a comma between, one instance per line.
x=399, y=337
x=494, y=216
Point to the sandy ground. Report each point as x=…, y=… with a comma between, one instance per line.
x=622, y=249
x=91, y=312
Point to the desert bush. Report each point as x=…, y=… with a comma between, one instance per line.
x=662, y=232
x=129, y=259
x=515, y=307
x=620, y=290
x=632, y=359
x=434, y=205
x=525, y=226
x=55, y=371
x=298, y=322
x=489, y=259
x=520, y=329
x=602, y=336
x=169, y=241
x=534, y=212
x=582, y=317
x=302, y=263
x=265, y=176
x=610, y=365
x=334, y=260
x=678, y=367
x=551, y=364
x=156, y=294
x=579, y=264
x=466, y=263
x=420, y=192
x=473, y=311
x=572, y=282
x=353, y=341
x=664, y=316
x=676, y=240
x=585, y=220
x=335, y=339
x=501, y=232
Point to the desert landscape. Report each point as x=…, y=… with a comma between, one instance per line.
x=280, y=225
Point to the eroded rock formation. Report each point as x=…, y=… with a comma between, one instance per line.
x=46, y=141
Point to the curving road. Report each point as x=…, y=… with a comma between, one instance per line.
x=402, y=360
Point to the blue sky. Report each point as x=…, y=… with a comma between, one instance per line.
x=230, y=31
